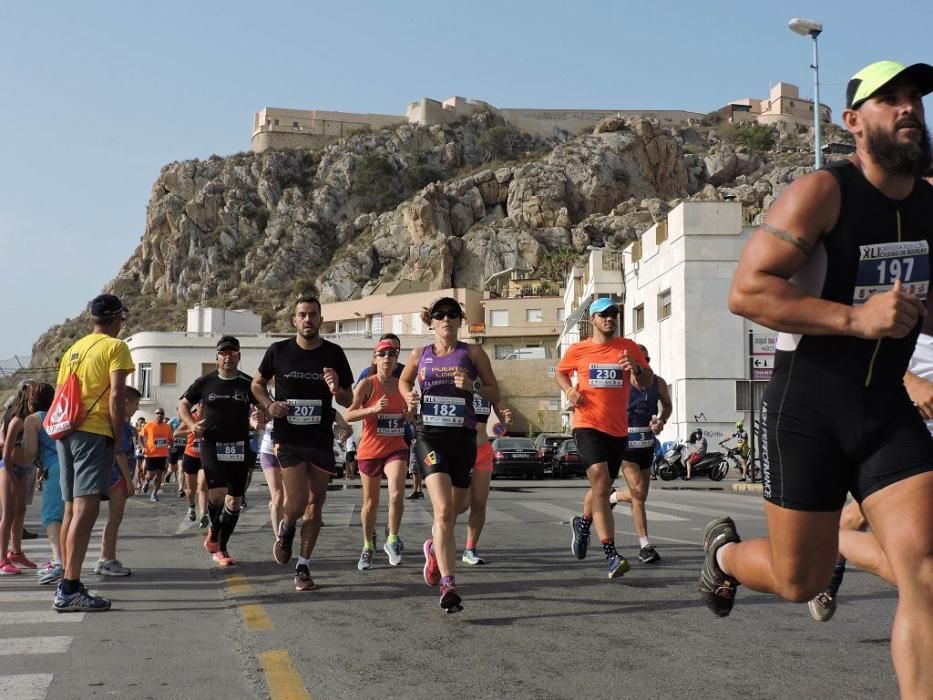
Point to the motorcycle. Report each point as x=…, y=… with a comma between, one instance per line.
x=673, y=465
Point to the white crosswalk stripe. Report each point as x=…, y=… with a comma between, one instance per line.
x=696, y=509
x=25, y=686
x=16, y=646
x=564, y=513
x=39, y=617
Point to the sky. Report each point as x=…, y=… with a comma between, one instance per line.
x=96, y=97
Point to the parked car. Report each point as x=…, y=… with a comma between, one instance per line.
x=513, y=456
x=566, y=461
x=546, y=445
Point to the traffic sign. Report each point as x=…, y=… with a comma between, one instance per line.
x=764, y=343
x=763, y=362
x=762, y=373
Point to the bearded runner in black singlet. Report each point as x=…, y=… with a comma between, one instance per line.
x=842, y=269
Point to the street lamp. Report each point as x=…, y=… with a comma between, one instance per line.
x=812, y=29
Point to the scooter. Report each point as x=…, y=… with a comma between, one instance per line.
x=674, y=465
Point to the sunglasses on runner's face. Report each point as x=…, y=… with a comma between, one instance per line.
x=387, y=353
x=159, y=413
x=611, y=312
x=451, y=314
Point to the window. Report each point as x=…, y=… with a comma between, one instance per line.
x=741, y=394
x=503, y=351
x=534, y=315
x=276, y=122
x=638, y=318
x=560, y=314
x=636, y=251
x=144, y=381
x=295, y=126
x=664, y=304
x=397, y=321
x=208, y=367
x=417, y=326
x=168, y=373
x=660, y=232
x=377, y=325
x=499, y=317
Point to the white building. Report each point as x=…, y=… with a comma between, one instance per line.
x=677, y=279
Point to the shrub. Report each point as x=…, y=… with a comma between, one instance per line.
x=499, y=142
x=756, y=136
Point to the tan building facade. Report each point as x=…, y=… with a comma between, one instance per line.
x=784, y=105
x=311, y=128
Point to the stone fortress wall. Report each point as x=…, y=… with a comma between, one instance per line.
x=303, y=128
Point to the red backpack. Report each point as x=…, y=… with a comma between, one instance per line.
x=66, y=413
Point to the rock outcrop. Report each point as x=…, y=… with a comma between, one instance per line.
x=445, y=205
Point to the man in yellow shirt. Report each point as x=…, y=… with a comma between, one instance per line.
x=101, y=363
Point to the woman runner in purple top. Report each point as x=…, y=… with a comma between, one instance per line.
x=449, y=372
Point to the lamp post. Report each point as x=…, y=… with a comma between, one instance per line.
x=812, y=29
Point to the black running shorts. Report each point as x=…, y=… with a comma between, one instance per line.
x=220, y=471
x=190, y=465
x=293, y=455
x=826, y=438
x=642, y=456
x=155, y=464
x=596, y=447
x=451, y=451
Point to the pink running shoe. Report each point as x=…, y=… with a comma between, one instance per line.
x=20, y=560
x=212, y=546
x=8, y=568
x=432, y=575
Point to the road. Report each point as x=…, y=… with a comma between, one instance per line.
x=536, y=624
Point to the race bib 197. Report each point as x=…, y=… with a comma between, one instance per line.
x=606, y=376
x=443, y=411
x=881, y=264
x=231, y=451
x=390, y=425
x=305, y=411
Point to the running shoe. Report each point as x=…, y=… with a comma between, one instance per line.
x=20, y=559
x=472, y=558
x=450, y=600
x=168, y=478
x=432, y=575
x=394, y=551
x=717, y=588
x=366, y=559
x=413, y=496
x=211, y=544
x=205, y=521
x=618, y=565
x=192, y=516
x=8, y=568
x=648, y=555
x=114, y=567
x=243, y=504
x=146, y=487
x=282, y=549
x=181, y=493
x=27, y=535
x=50, y=575
x=823, y=607
x=79, y=601
x=303, y=580
x=153, y=498
x=223, y=558
x=581, y=537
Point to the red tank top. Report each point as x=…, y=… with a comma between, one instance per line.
x=383, y=433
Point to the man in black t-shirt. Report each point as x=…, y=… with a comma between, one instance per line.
x=223, y=427
x=309, y=374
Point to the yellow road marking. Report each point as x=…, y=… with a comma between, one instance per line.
x=283, y=680
x=238, y=585
x=255, y=617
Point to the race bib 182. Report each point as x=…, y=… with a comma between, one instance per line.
x=443, y=411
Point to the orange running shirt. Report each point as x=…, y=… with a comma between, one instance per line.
x=156, y=439
x=602, y=383
x=383, y=433
x=193, y=446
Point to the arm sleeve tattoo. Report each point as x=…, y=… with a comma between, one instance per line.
x=800, y=244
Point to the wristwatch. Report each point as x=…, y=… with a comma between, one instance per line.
x=477, y=385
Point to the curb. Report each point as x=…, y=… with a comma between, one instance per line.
x=753, y=488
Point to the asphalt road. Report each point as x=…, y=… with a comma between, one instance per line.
x=537, y=623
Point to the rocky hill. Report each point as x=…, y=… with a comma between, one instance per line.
x=449, y=205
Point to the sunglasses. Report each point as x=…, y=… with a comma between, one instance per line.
x=647, y=359
x=387, y=353
x=451, y=314
x=159, y=413
x=608, y=313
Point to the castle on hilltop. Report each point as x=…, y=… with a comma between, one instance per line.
x=299, y=128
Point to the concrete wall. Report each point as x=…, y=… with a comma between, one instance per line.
x=296, y=128
x=207, y=320
x=550, y=122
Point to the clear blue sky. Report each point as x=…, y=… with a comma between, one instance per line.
x=97, y=96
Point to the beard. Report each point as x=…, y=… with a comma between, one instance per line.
x=308, y=334
x=912, y=158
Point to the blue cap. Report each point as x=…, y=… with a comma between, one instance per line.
x=602, y=305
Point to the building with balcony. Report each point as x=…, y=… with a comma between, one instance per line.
x=783, y=106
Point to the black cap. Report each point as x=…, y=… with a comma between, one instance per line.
x=444, y=302
x=228, y=342
x=106, y=306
